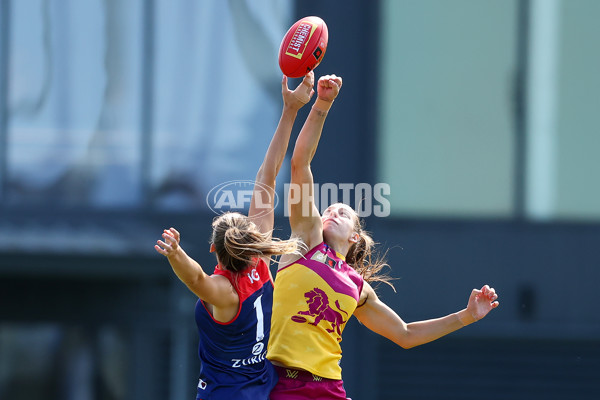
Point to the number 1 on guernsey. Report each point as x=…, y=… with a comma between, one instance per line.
x=260, y=325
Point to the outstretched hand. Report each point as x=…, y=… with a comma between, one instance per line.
x=481, y=302
x=301, y=95
x=170, y=243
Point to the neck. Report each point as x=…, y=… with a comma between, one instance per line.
x=339, y=247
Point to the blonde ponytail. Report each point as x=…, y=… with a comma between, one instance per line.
x=238, y=242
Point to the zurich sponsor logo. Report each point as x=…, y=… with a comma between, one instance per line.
x=258, y=348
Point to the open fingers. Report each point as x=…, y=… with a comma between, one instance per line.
x=175, y=233
x=162, y=247
x=171, y=233
x=489, y=292
x=169, y=239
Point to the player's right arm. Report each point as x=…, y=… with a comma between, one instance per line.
x=213, y=289
x=261, y=206
x=305, y=220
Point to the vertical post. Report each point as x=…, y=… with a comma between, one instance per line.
x=4, y=63
x=520, y=108
x=542, y=98
x=370, y=67
x=147, y=100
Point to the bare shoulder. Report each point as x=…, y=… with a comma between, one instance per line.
x=223, y=286
x=226, y=302
x=221, y=282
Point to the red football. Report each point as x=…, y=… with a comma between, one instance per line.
x=303, y=47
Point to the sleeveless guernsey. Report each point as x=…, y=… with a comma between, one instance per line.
x=314, y=298
x=233, y=354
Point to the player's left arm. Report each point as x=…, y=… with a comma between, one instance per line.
x=381, y=319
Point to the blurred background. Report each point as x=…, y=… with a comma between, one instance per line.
x=117, y=117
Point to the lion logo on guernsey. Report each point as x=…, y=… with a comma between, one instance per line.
x=319, y=308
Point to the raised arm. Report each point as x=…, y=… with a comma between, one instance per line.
x=261, y=207
x=305, y=220
x=214, y=289
x=381, y=319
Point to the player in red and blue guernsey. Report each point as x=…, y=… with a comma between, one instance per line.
x=234, y=352
x=233, y=313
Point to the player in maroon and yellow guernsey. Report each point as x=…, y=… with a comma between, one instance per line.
x=233, y=312
x=316, y=294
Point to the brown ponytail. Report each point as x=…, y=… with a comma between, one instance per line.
x=362, y=258
x=238, y=242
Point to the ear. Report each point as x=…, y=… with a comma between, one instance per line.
x=212, y=248
x=354, y=238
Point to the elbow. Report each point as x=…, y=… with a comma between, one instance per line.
x=299, y=160
x=266, y=175
x=295, y=162
x=405, y=340
x=298, y=172
x=294, y=165
x=298, y=168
